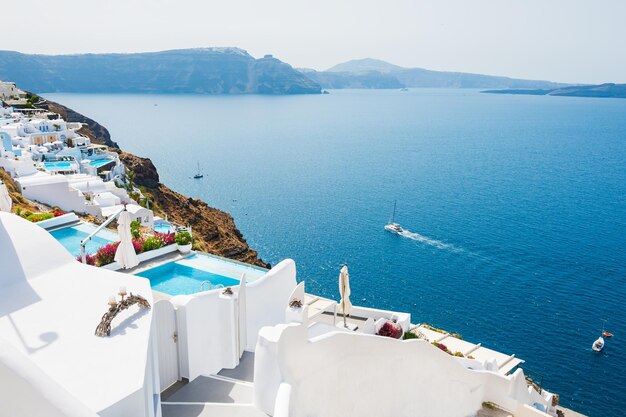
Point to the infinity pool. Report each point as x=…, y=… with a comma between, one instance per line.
x=59, y=165
x=100, y=162
x=186, y=276
x=70, y=237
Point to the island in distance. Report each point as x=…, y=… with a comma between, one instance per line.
x=608, y=90
x=224, y=71
x=183, y=71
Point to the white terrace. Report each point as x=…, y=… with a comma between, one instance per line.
x=246, y=352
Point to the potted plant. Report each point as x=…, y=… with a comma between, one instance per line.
x=183, y=241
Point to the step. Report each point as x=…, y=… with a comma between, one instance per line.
x=209, y=389
x=209, y=410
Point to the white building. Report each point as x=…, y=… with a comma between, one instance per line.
x=51, y=363
x=303, y=365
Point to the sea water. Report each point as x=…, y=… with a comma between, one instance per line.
x=514, y=208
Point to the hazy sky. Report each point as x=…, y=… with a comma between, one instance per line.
x=559, y=40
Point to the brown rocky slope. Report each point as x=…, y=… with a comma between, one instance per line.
x=214, y=230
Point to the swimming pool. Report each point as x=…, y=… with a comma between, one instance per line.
x=60, y=165
x=70, y=238
x=185, y=276
x=163, y=227
x=100, y=162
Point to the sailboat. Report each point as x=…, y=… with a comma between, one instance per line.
x=199, y=174
x=392, y=226
x=598, y=345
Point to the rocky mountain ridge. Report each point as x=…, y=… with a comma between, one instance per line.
x=183, y=71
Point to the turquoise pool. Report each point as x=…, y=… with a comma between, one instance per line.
x=185, y=276
x=163, y=227
x=100, y=162
x=70, y=238
x=59, y=165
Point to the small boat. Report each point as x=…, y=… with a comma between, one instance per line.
x=199, y=174
x=607, y=334
x=392, y=226
x=598, y=345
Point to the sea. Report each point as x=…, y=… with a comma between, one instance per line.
x=514, y=208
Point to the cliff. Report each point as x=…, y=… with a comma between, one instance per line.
x=185, y=71
x=214, y=230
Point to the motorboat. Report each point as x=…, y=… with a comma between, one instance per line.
x=598, y=345
x=392, y=226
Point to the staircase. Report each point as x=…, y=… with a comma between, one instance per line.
x=227, y=394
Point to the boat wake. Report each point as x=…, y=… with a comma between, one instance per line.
x=431, y=242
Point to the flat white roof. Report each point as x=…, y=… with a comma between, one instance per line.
x=49, y=310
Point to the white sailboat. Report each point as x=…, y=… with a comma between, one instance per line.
x=392, y=226
x=198, y=174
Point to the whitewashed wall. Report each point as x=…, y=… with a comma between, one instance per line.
x=267, y=298
x=27, y=391
x=369, y=375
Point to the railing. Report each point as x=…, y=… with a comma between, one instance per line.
x=83, y=243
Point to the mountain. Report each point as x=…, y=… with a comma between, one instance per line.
x=365, y=65
x=608, y=90
x=199, y=71
x=374, y=73
x=366, y=79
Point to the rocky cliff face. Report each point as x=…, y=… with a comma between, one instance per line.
x=214, y=230
x=191, y=71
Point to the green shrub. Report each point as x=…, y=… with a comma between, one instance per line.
x=152, y=243
x=18, y=210
x=135, y=227
x=410, y=335
x=459, y=354
x=27, y=213
x=37, y=217
x=183, y=238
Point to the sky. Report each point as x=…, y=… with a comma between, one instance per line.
x=572, y=41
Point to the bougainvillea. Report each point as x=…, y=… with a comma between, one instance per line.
x=138, y=245
x=166, y=238
x=390, y=329
x=106, y=254
x=89, y=259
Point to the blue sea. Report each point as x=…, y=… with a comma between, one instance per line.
x=515, y=208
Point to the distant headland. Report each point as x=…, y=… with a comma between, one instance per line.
x=608, y=90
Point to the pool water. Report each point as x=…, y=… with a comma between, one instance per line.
x=59, y=165
x=100, y=162
x=163, y=228
x=70, y=238
x=187, y=275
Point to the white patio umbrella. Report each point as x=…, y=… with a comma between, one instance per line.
x=5, y=198
x=344, y=291
x=125, y=254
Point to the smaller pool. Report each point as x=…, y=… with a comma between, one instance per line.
x=100, y=162
x=70, y=237
x=185, y=276
x=163, y=227
x=59, y=165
